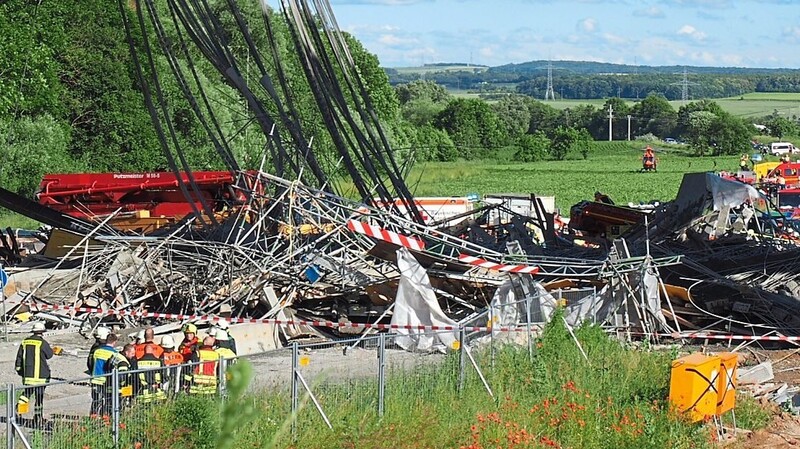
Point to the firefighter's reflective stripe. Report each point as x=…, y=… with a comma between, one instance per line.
x=102, y=356
x=204, y=378
x=150, y=381
x=226, y=353
x=173, y=358
x=34, y=348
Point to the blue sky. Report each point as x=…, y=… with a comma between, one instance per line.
x=755, y=33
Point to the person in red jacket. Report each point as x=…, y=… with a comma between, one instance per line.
x=190, y=342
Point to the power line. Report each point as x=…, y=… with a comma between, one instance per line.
x=684, y=86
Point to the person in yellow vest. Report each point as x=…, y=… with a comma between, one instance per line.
x=122, y=362
x=220, y=340
x=100, y=370
x=32, y=365
x=149, y=383
x=203, y=376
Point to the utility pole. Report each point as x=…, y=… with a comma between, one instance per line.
x=610, y=121
x=629, y=127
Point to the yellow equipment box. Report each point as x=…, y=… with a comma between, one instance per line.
x=726, y=385
x=693, y=385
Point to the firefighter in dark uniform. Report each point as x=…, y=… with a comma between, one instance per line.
x=150, y=382
x=31, y=364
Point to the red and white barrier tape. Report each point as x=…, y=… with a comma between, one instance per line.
x=483, y=263
x=317, y=323
x=703, y=336
x=387, y=236
x=350, y=325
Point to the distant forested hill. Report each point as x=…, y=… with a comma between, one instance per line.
x=588, y=80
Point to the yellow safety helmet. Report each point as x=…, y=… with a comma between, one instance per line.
x=189, y=328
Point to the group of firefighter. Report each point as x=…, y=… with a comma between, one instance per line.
x=147, y=372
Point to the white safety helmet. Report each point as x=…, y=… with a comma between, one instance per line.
x=167, y=342
x=140, y=336
x=38, y=326
x=101, y=333
x=221, y=335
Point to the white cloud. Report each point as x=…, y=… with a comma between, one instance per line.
x=588, y=25
x=364, y=28
x=712, y=4
x=692, y=32
x=732, y=59
x=654, y=12
x=614, y=39
x=393, y=40
x=705, y=57
x=792, y=33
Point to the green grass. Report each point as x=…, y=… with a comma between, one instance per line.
x=762, y=104
x=14, y=220
x=611, y=167
x=564, y=104
x=617, y=398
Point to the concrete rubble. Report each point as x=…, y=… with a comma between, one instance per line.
x=283, y=244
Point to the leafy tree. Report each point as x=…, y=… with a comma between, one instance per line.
x=731, y=134
x=684, y=111
x=564, y=139
x=654, y=115
x=514, y=114
x=781, y=126
x=544, y=118
x=721, y=133
x=380, y=92
x=532, y=147
x=422, y=90
x=698, y=131
x=580, y=116
x=438, y=145
x=29, y=71
x=31, y=148
x=473, y=126
x=599, y=126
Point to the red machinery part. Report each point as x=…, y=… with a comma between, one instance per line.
x=97, y=194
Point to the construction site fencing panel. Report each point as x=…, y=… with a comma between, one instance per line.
x=65, y=420
x=140, y=392
x=336, y=383
x=413, y=376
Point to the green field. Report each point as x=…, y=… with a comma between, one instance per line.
x=761, y=104
x=611, y=167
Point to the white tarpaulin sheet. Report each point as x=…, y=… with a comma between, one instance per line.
x=504, y=306
x=416, y=305
x=731, y=193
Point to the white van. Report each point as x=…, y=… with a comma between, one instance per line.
x=779, y=148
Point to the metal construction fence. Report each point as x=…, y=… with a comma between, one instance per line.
x=307, y=384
